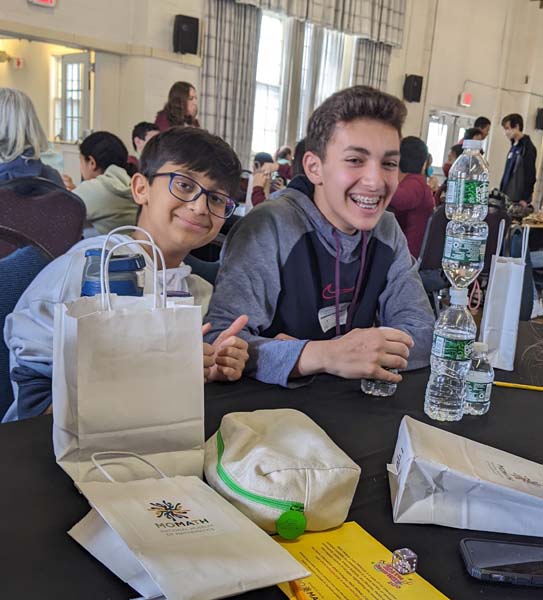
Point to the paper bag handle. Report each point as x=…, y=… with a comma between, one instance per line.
x=105, y=253
x=501, y=232
x=105, y=280
x=102, y=469
x=525, y=240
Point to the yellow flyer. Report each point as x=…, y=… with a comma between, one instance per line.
x=349, y=564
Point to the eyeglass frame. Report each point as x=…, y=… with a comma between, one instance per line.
x=203, y=190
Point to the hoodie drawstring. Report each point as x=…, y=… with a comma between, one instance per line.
x=358, y=286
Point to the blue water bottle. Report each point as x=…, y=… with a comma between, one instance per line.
x=126, y=274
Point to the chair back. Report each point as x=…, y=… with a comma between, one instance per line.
x=17, y=271
x=431, y=251
x=48, y=214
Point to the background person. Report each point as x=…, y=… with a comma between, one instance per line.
x=181, y=108
x=22, y=139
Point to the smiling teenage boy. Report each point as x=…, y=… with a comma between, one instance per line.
x=322, y=265
x=187, y=177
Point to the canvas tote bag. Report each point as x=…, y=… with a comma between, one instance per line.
x=128, y=376
x=499, y=326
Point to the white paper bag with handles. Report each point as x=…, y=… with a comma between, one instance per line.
x=128, y=375
x=178, y=537
x=441, y=478
x=499, y=326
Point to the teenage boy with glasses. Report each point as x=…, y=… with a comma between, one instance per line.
x=184, y=188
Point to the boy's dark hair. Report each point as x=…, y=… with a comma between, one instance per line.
x=357, y=102
x=197, y=150
x=481, y=122
x=298, y=160
x=515, y=120
x=457, y=149
x=141, y=130
x=471, y=132
x=413, y=154
x=106, y=149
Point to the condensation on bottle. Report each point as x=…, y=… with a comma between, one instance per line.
x=467, y=185
x=464, y=251
x=450, y=361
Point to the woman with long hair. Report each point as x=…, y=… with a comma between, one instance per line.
x=22, y=139
x=181, y=108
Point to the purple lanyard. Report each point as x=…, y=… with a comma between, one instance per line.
x=356, y=294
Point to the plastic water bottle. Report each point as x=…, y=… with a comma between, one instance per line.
x=479, y=381
x=464, y=252
x=467, y=185
x=126, y=274
x=454, y=335
x=378, y=387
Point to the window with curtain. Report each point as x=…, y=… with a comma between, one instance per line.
x=299, y=66
x=267, y=109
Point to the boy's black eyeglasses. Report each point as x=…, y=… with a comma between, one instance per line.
x=186, y=189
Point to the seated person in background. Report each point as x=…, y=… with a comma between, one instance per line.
x=184, y=188
x=431, y=179
x=413, y=202
x=283, y=158
x=472, y=133
x=267, y=177
x=105, y=188
x=22, y=139
x=319, y=267
x=454, y=152
x=141, y=134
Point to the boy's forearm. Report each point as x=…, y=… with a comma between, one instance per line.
x=313, y=359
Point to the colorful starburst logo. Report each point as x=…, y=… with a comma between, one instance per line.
x=169, y=510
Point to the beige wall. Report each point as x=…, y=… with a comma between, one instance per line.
x=486, y=47
x=34, y=77
x=134, y=66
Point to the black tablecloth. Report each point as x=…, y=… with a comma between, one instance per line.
x=38, y=502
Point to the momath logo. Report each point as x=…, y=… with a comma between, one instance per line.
x=169, y=510
x=173, y=515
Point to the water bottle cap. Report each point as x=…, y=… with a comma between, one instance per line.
x=459, y=296
x=472, y=144
x=480, y=347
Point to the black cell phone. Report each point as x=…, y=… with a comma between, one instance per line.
x=503, y=562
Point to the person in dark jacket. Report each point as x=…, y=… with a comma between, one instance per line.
x=22, y=139
x=322, y=266
x=518, y=178
x=180, y=109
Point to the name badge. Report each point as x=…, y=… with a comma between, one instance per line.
x=327, y=316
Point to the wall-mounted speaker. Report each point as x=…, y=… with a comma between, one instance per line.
x=185, y=34
x=539, y=119
x=412, y=88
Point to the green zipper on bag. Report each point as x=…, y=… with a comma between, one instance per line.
x=290, y=524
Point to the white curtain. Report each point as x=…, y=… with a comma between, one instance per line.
x=377, y=20
x=229, y=72
x=371, y=62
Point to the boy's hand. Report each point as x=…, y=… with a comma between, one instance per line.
x=361, y=353
x=230, y=353
x=209, y=354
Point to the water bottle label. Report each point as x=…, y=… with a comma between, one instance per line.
x=454, y=187
x=475, y=192
x=449, y=349
x=465, y=251
x=478, y=392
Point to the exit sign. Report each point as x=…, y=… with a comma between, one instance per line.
x=48, y=3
